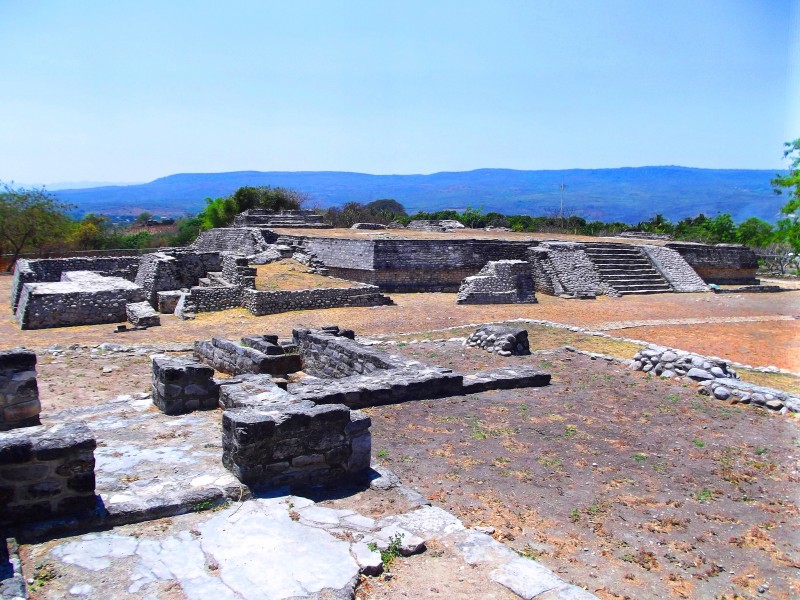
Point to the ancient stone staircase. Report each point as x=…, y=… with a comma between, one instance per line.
x=626, y=269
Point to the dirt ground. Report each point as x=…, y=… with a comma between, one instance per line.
x=631, y=486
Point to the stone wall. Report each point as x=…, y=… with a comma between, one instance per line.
x=674, y=268
x=174, y=270
x=19, y=394
x=564, y=268
x=236, y=271
x=214, y=298
x=242, y=240
x=86, y=298
x=299, y=445
x=326, y=354
x=51, y=269
x=46, y=473
x=232, y=358
x=410, y=265
x=499, y=282
x=267, y=303
x=182, y=385
x=724, y=264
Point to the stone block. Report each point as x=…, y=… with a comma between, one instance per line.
x=46, y=473
x=141, y=314
x=182, y=385
x=299, y=445
x=19, y=393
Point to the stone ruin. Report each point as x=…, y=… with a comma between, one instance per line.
x=215, y=273
x=279, y=430
x=499, y=282
x=45, y=472
x=257, y=217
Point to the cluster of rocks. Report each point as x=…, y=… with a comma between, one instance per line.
x=666, y=362
x=713, y=376
x=19, y=392
x=499, y=282
x=740, y=392
x=505, y=341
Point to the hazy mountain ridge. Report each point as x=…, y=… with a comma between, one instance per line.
x=628, y=194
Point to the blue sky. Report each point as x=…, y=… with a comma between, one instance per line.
x=131, y=91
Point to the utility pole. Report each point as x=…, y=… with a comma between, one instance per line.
x=563, y=187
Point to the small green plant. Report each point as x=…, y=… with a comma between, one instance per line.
x=549, y=462
x=699, y=443
x=673, y=398
x=570, y=431
x=705, y=495
x=575, y=515
x=639, y=458
x=529, y=552
x=383, y=453
x=392, y=552
x=204, y=505
x=761, y=451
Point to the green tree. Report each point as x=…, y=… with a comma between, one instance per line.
x=789, y=225
x=92, y=232
x=220, y=212
x=30, y=219
x=722, y=229
x=143, y=218
x=754, y=232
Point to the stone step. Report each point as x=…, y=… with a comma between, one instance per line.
x=644, y=279
x=644, y=291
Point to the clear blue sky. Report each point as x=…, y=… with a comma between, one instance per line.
x=131, y=91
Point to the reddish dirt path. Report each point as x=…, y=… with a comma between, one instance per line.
x=773, y=341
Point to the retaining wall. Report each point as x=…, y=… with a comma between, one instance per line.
x=242, y=240
x=724, y=264
x=267, y=303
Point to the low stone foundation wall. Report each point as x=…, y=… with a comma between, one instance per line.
x=46, y=473
x=319, y=444
x=51, y=269
x=245, y=240
x=268, y=303
x=215, y=298
x=235, y=359
x=84, y=298
x=667, y=362
x=19, y=393
x=182, y=385
x=329, y=354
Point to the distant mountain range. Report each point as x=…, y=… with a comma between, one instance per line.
x=626, y=194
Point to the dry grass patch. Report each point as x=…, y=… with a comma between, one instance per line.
x=289, y=274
